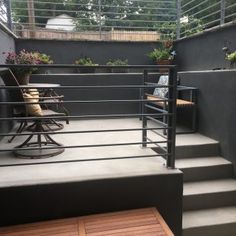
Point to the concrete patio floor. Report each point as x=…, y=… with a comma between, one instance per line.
x=84, y=169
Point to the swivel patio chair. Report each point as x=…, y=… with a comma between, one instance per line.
x=54, y=99
x=31, y=110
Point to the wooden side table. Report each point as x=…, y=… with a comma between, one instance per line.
x=139, y=222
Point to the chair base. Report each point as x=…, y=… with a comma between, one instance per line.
x=38, y=153
x=38, y=149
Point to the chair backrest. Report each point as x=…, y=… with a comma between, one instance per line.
x=162, y=92
x=15, y=95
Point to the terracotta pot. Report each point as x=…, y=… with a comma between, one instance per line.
x=23, y=79
x=164, y=62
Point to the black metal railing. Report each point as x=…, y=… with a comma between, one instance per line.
x=156, y=125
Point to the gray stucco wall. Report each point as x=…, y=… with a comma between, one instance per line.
x=216, y=107
x=66, y=52
x=204, y=52
x=6, y=44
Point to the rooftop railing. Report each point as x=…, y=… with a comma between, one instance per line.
x=134, y=20
x=154, y=127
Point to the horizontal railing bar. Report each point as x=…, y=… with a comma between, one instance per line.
x=195, y=6
x=82, y=116
x=150, y=140
x=80, y=101
x=82, y=131
x=230, y=6
x=103, y=13
x=164, y=149
x=156, y=121
x=230, y=15
x=75, y=4
x=79, y=66
x=80, y=146
x=107, y=20
x=81, y=160
x=211, y=14
x=205, y=9
x=159, y=134
x=156, y=108
x=186, y=4
x=90, y=26
x=83, y=87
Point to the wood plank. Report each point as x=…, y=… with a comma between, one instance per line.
x=139, y=222
x=162, y=222
x=125, y=230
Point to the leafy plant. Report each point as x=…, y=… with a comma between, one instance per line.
x=163, y=53
x=43, y=58
x=229, y=56
x=86, y=61
x=117, y=62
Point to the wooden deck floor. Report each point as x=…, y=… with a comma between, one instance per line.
x=140, y=222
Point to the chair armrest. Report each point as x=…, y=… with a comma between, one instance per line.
x=183, y=88
x=52, y=97
x=191, y=91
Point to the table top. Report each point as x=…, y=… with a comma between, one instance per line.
x=41, y=85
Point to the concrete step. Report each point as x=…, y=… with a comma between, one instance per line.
x=197, y=150
x=210, y=222
x=205, y=168
x=209, y=194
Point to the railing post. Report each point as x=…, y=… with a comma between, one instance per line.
x=100, y=18
x=178, y=8
x=171, y=121
x=31, y=17
x=143, y=110
x=222, y=12
x=9, y=20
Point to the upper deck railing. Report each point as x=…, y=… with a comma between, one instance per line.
x=119, y=20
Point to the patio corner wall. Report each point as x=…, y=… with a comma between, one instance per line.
x=6, y=44
x=197, y=56
x=204, y=51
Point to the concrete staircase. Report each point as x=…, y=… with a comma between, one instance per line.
x=209, y=196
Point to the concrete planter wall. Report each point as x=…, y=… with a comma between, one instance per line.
x=204, y=52
x=6, y=44
x=216, y=107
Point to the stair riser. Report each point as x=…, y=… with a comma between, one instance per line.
x=208, y=173
x=215, y=230
x=211, y=200
x=197, y=151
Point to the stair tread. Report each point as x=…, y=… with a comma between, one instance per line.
x=208, y=217
x=209, y=186
x=201, y=162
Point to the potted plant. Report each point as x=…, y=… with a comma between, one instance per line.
x=86, y=61
x=163, y=55
x=43, y=59
x=230, y=56
x=117, y=62
x=22, y=58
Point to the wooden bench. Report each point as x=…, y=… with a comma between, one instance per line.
x=139, y=222
x=186, y=105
